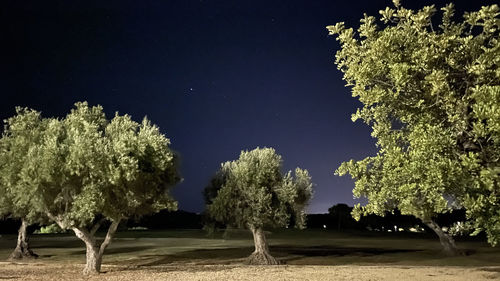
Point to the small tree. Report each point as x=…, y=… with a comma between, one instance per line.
x=431, y=95
x=21, y=133
x=89, y=170
x=252, y=193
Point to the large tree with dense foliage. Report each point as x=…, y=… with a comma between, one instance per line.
x=88, y=170
x=431, y=93
x=252, y=192
x=21, y=133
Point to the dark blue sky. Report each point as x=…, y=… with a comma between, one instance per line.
x=216, y=77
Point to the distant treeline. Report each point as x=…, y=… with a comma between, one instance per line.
x=339, y=218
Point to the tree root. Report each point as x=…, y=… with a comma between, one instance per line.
x=261, y=258
x=19, y=255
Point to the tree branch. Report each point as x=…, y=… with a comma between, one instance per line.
x=57, y=220
x=83, y=234
x=109, y=235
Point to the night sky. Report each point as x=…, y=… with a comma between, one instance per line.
x=215, y=76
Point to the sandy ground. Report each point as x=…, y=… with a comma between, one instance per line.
x=42, y=271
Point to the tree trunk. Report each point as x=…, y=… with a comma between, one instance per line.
x=261, y=254
x=448, y=243
x=22, y=249
x=93, y=259
x=94, y=251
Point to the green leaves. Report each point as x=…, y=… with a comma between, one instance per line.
x=20, y=144
x=387, y=15
x=486, y=110
x=85, y=166
x=252, y=191
x=432, y=99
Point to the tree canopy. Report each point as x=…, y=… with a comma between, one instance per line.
x=252, y=192
x=431, y=93
x=115, y=169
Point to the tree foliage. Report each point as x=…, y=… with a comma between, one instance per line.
x=95, y=167
x=432, y=96
x=252, y=192
x=21, y=133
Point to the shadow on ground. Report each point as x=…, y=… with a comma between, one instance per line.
x=286, y=254
x=322, y=251
x=119, y=250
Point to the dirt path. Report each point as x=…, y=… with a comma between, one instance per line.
x=41, y=271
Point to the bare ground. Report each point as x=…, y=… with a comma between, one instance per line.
x=43, y=271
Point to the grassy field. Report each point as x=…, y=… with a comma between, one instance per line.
x=305, y=255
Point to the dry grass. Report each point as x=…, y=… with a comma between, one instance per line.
x=40, y=271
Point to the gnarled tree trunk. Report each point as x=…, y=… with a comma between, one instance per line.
x=261, y=254
x=22, y=248
x=448, y=243
x=93, y=259
x=94, y=251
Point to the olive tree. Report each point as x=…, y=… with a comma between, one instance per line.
x=432, y=96
x=252, y=192
x=89, y=171
x=21, y=133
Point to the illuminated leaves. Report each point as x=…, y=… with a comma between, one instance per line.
x=252, y=191
x=84, y=166
x=431, y=95
x=19, y=149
